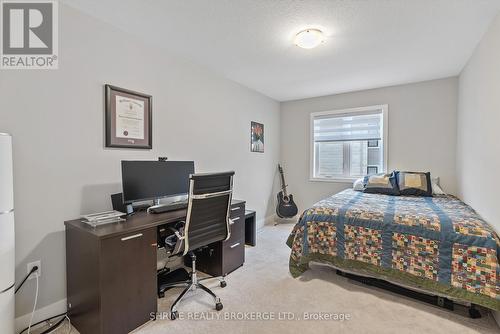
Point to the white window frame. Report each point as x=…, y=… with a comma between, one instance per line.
x=385, y=142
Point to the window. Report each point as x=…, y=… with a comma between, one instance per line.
x=348, y=144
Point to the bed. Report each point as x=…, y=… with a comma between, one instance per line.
x=434, y=244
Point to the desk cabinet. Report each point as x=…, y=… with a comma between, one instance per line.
x=111, y=281
x=250, y=228
x=223, y=257
x=128, y=282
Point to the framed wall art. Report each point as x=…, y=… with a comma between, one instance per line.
x=257, y=137
x=129, y=121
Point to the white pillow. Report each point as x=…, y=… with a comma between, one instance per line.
x=358, y=185
x=436, y=189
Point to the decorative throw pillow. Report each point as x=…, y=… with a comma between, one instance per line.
x=381, y=184
x=414, y=183
x=358, y=185
x=436, y=188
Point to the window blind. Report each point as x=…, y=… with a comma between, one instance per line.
x=348, y=127
x=330, y=158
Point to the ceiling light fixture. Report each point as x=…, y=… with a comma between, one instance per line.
x=309, y=38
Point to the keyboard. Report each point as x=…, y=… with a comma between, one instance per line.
x=168, y=207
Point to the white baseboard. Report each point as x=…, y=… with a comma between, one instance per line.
x=40, y=314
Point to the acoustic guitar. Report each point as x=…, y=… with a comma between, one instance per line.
x=286, y=207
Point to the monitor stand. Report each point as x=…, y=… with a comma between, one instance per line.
x=160, y=208
x=156, y=205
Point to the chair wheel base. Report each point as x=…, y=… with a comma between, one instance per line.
x=223, y=284
x=174, y=315
x=218, y=306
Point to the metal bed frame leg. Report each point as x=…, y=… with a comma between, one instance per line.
x=474, y=312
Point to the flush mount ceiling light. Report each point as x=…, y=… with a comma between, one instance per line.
x=309, y=38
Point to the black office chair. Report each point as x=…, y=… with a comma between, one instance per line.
x=207, y=222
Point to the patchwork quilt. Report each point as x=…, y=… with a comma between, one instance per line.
x=436, y=244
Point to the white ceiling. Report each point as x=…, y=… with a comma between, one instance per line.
x=370, y=43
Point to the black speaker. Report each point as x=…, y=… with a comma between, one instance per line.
x=118, y=205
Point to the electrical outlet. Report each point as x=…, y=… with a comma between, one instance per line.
x=38, y=272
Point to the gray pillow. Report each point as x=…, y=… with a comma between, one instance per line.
x=414, y=183
x=381, y=184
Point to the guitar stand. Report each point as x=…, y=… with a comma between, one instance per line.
x=278, y=220
x=434, y=300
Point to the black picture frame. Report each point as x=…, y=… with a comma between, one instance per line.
x=112, y=140
x=256, y=137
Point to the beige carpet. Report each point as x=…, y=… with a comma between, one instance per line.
x=264, y=285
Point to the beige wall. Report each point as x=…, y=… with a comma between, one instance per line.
x=422, y=133
x=56, y=118
x=478, y=144
x=62, y=169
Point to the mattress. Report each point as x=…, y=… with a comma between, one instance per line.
x=435, y=244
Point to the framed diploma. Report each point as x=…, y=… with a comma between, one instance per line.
x=128, y=118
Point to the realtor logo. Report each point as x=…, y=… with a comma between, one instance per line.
x=29, y=38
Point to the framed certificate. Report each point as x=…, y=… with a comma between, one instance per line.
x=128, y=118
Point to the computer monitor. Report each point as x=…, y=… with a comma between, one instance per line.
x=146, y=180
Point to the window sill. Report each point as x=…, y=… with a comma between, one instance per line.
x=334, y=179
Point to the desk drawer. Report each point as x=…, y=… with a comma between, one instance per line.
x=237, y=216
x=233, y=245
x=237, y=229
x=234, y=255
x=237, y=210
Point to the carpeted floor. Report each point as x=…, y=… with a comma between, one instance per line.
x=264, y=287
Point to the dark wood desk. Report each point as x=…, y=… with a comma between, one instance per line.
x=111, y=269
